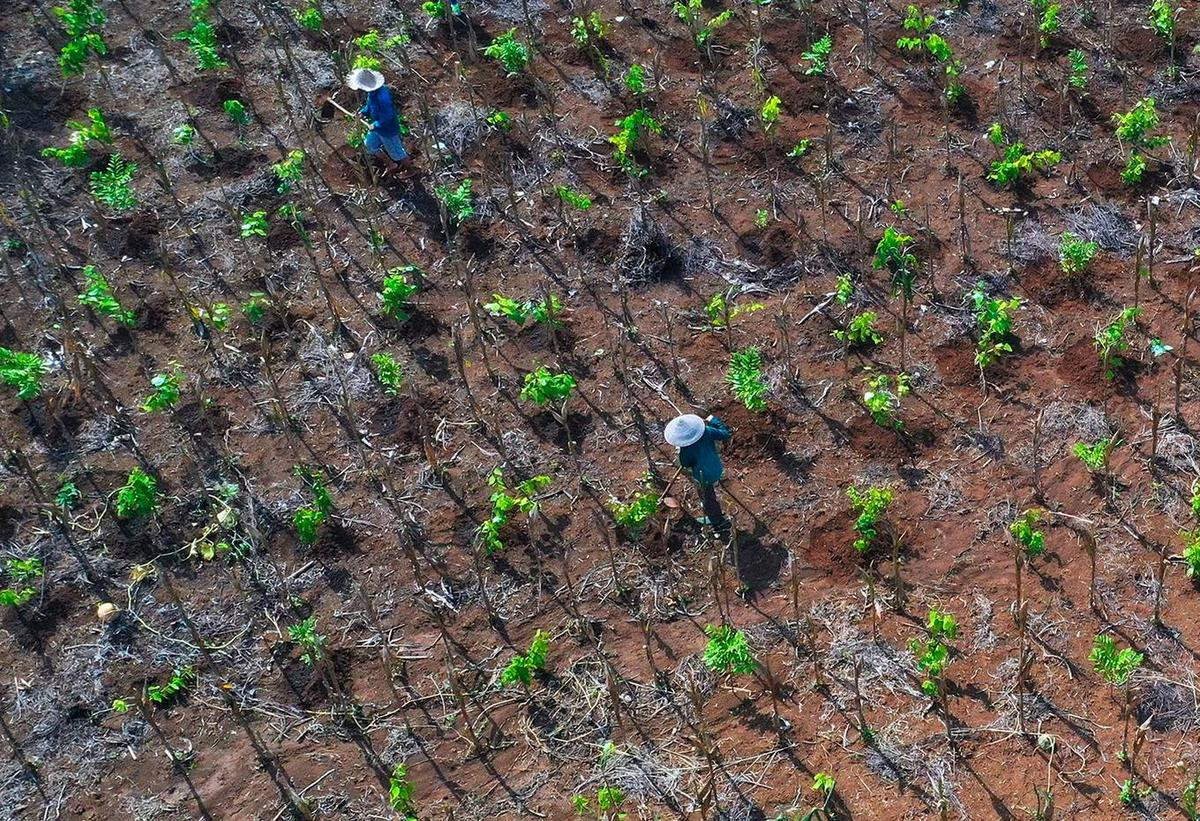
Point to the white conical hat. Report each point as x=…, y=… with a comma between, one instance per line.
x=364, y=79
x=684, y=430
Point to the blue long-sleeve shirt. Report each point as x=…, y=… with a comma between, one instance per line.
x=701, y=456
x=380, y=111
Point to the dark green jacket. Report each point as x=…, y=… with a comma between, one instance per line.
x=701, y=456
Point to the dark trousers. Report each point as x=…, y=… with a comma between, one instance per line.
x=712, y=508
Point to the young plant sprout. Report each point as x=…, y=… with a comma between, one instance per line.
x=312, y=643
x=817, y=56
x=543, y=312
x=1075, y=255
x=745, y=379
x=635, y=80
x=82, y=20
x=631, y=134
x=76, y=154
x=690, y=12
x=542, y=387
x=396, y=295
x=509, y=51
x=289, y=171
x=633, y=515
x=719, y=310
x=1017, y=162
x=589, y=30
x=1096, y=455
x=1024, y=530
x=309, y=16
x=505, y=503
x=113, y=186
x=881, y=397
x=389, y=372
x=727, y=651
x=21, y=575
x=22, y=371
x=164, y=390
x=994, y=318
x=521, y=668
x=933, y=653
x=1047, y=20
x=872, y=503
x=1078, y=77
x=138, y=497
x=844, y=289
x=860, y=331
x=308, y=519
x=255, y=225
x=1191, y=552
x=457, y=201
x=1113, y=339
x=401, y=792
x=1135, y=128
x=99, y=296
x=202, y=38
x=180, y=680
x=770, y=113
x=893, y=253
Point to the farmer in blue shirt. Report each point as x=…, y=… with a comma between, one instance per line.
x=697, y=440
x=383, y=134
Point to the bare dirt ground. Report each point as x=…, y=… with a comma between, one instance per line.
x=418, y=620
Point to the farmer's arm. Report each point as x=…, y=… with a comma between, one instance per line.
x=687, y=457
x=717, y=428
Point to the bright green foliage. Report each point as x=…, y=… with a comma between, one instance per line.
x=1047, y=20
x=543, y=387
x=872, y=503
x=894, y=253
x=1191, y=552
x=112, y=186
x=309, y=16
x=202, y=41
x=236, y=112
x=919, y=24
x=138, y=496
x=609, y=800
x=400, y=793
x=216, y=316
x=1135, y=126
x=1075, y=255
x=522, y=666
x=499, y=120
x=305, y=634
x=727, y=651
x=389, y=372
x=631, y=131
x=844, y=290
x=289, y=171
x=164, y=390
x=1162, y=20
x=745, y=379
x=575, y=199
x=770, y=112
x=98, y=295
x=1095, y=456
x=457, y=200
x=800, y=149
x=881, y=397
x=254, y=225
x=635, y=513
x=76, y=155
x=635, y=79
x=511, y=52
x=1188, y=796
x=1114, y=666
x=255, y=308
x=860, y=331
x=505, y=503
x=309, y=518
x=1113, y=339
x=68, y=496
x=818, y=55
x=1134, y=168
x=521, y=312
x=1077, y=61
x=933, y=653
x=82, y=20
x=1024, y=530
x=21, y=573
x=22, y=371
x=1017, y=161
x=590, y=30
x=689, y=11
x=183, y=134
x=181, y=679
x=396, y=295
x=718, y=307
x=994, y=317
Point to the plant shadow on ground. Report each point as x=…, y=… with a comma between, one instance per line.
x=758, y=561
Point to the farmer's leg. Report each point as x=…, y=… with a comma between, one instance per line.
x=712, y=509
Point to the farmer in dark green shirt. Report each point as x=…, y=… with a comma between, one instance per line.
x=697, y=440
